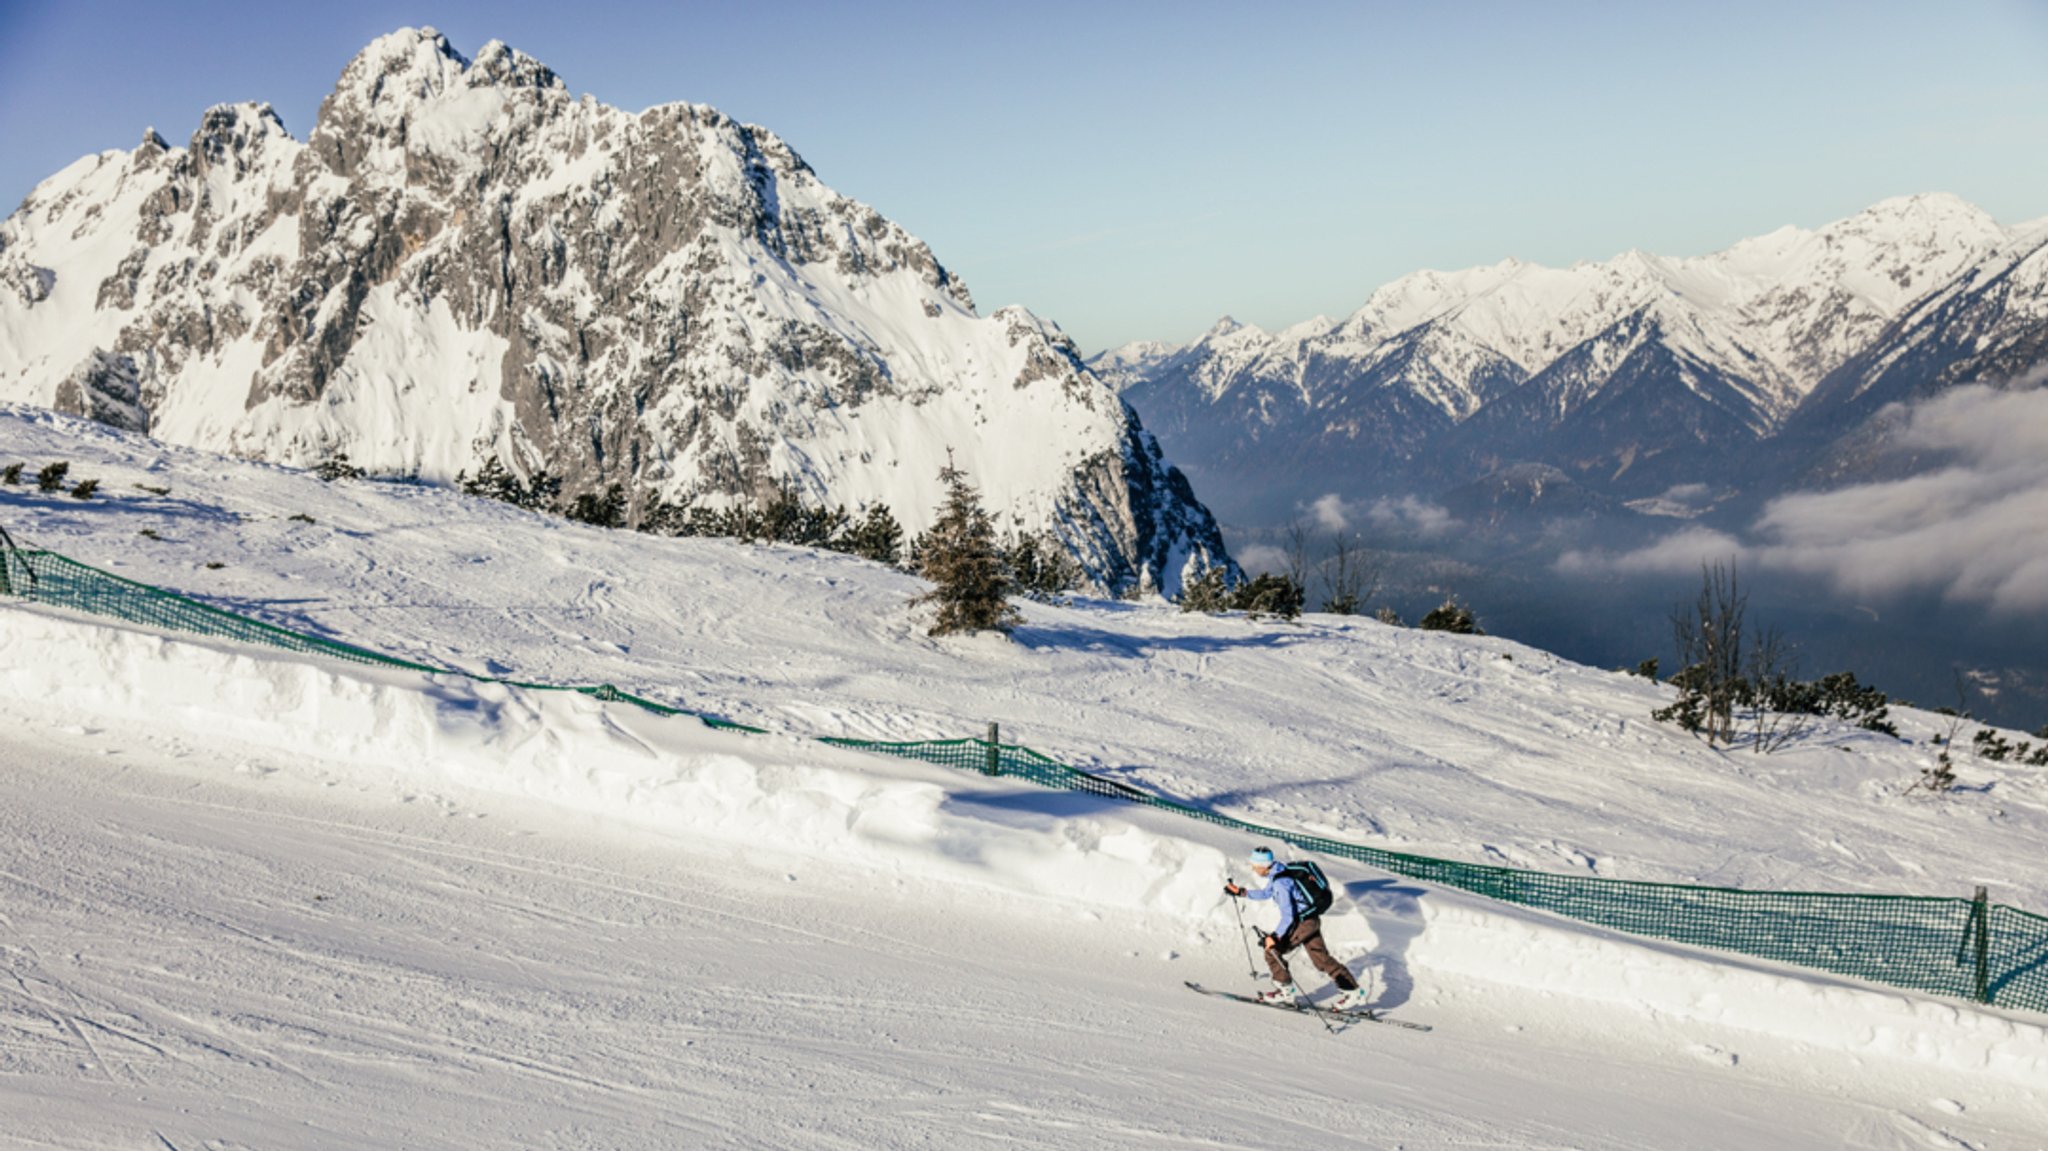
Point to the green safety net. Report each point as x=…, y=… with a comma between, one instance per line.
x=1968, y=949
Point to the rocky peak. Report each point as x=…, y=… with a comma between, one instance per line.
x=236, y=134
x=380, y=90
x=464, y=263
x=506, y=67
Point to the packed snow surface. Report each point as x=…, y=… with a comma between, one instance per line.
x=263, y=900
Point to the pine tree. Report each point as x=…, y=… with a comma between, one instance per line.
x=961, y=558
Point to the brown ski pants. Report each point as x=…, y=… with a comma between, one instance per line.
x=1308, y=936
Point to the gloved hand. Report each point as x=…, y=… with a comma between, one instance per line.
x=1232, y=890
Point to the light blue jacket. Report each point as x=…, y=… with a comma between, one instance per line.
x=1285, y=892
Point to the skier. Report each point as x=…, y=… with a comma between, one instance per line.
x=1299, y=927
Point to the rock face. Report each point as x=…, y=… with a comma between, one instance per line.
x=1630, y=376
x=463, y=261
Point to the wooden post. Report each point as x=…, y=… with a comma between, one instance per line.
x=1983, y=917
x=995, y=751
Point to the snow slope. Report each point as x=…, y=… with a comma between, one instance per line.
x=224, y=945
x=267, y=891
x=1466, y=748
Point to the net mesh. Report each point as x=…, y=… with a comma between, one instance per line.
x=1968, y=949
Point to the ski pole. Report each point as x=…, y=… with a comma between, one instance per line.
x=1237, y=905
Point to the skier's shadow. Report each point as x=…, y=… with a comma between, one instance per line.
x=1395, y=914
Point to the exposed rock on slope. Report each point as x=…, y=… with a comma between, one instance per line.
x=463, y=260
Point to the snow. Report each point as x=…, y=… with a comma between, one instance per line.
x=283, y=901
x=1781, y=310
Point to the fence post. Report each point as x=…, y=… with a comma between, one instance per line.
x=995, y=751
x=1982, y=914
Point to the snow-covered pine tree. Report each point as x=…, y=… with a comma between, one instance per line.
x=970, y=582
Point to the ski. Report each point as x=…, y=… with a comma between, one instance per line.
x=1309, y=1008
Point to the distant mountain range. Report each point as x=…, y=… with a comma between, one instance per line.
x=464, y=261
x=1605, y=384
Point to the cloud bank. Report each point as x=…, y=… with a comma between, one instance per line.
x=1974, y=531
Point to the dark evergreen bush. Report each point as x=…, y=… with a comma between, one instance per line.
x=1210, y=594
x=606, y=510
x=337, y=467
x=876, y=537
x=1451, y=616
x=1270, y=594
x=496, y=482
x=1041, y=566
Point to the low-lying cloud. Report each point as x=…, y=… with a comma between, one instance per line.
x=1403, y=515
x=1974, y=530
x=1408, y=514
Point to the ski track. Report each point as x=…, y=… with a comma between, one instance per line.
x=204, y=954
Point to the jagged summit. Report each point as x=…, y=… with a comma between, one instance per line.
x=462, y=261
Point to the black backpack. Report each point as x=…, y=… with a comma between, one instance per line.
x=1309, y=880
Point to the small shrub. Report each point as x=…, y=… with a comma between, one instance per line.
x=1453, y=617
x=1209, y=594
x=153, y=491
x=494, y=481
x=149, y=534
x=1996, y=748
x=214, y=565
x=605, y=511
x=11, y=474
x=85, y=489
x=337, y=467
x=1041, y=567
x=1270, y=594
x=51, y=477
x=1389, y=616
x=1841, y=696
x=301, y=517
x=1647, y=669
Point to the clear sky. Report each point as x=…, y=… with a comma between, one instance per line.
x=1135, y=170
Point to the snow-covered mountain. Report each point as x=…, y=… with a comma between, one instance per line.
x=1637, y=372
x=464, y=261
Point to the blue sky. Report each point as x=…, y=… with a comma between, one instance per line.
x=1136, y=170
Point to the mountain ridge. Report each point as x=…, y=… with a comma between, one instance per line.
x=463, y=261
x=1518, y=362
